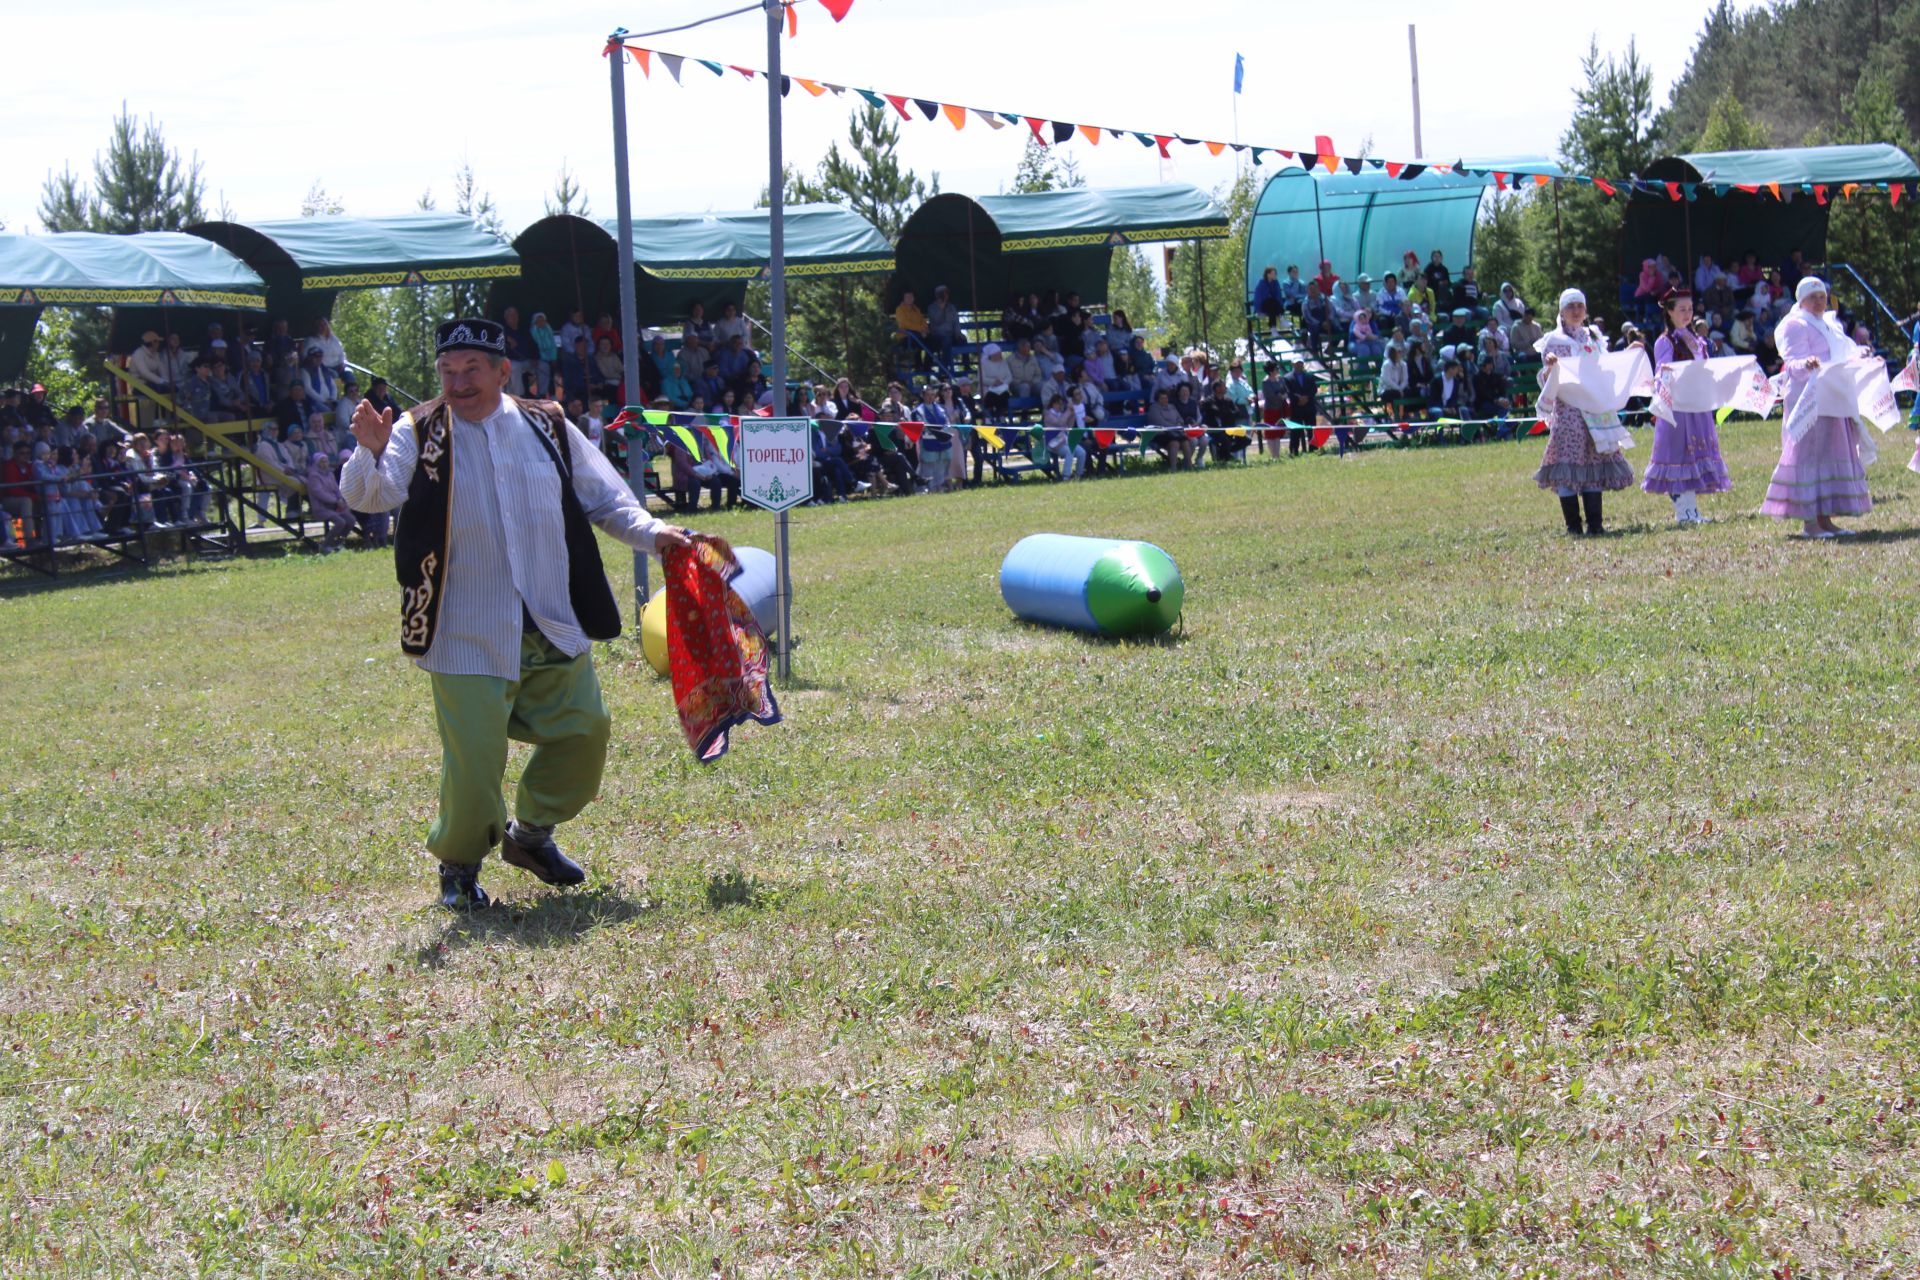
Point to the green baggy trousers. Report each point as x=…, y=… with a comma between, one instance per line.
x=555, y=705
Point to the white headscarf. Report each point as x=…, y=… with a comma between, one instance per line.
x=1570, y=296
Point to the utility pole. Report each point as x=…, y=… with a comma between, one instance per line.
x=1413, y=56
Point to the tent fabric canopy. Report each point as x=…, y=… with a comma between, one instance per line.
x=570, y=262
x=1039, y=242
x=1365, y=222
x=1873, y=162
x=366, y=253
x=153, y=268
x=1719, y=219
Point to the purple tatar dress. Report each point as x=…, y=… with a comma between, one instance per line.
x=1571, y=462
x=1821, y=473
x=1686, y=452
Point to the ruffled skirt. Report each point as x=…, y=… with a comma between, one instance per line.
x=1686, y=457
x=1820, y=474
x=1571, y=461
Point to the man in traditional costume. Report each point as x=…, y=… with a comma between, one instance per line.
x=502, y=595
x=1823, y=469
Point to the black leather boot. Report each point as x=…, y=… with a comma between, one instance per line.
x=460, y=888
x=532, y=849
x=1591, y=499
x=1570, y=509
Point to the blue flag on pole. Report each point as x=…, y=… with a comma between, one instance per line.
x=1239, y=71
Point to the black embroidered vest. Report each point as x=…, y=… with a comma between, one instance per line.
x=420, y=540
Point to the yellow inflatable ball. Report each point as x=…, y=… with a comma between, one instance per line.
x=653, y=631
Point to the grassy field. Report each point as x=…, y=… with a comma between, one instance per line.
x=1450, y=898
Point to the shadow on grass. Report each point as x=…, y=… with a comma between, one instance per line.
x=1172, y=638
x=550, y=920
x=1879, y=536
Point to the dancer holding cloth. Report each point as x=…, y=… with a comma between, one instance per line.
x=1823, y=458
x=1686, y=457
x=1582, y=387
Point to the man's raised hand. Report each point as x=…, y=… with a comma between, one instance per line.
x=372, y=427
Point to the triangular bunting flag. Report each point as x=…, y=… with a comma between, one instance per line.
x=1393, y=168
x=1604, y=185
x=641, y=56
x=1673, y=190
x=1009, y=117
x=1894, y=193
x=956, y=116
x=1353, y=164
x=873, y=99
x=1327, y=161
x=786, y=82
x=1409, y=172
x=714, y=67
x=1691, y=190
x=1322, y=144
x=913, y=430
x=1499, y=181
x=991, y=437
x=1104, y=438
x=991, y=120
x=672, y=62
x=1256, y=155
x=884, y=433
x=1091, y=132
x=1216, y=148
x=1820, y=194
x=838, y=8
x=899, y=101
x=1161, y=140
x=1541, y=179
x=1749, y=188
x=931, y=110
x=747, y=72
x=1847, y=189
x=1144, y=139
x=1775, y=188
x=813, y=87
x=1034, y=123
x=1062, y=132
x=793, y=21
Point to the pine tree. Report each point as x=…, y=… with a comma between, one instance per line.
x=320, y=203
x=1044, y=169
x=1869, y=232
x=139, y=184
x=568, y=197
x=1207, y=299
x=1730, y=128
x=1130, y=288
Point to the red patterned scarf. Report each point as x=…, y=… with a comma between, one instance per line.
x=715, y=650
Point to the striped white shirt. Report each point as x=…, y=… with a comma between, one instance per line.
x=506, y=545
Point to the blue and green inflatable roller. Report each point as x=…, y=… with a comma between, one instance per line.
x=1101, y=585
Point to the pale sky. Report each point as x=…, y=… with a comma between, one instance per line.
x=380, y=99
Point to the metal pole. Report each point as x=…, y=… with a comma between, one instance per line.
x=629, y=308
x=777, y=323
x=1413, y=55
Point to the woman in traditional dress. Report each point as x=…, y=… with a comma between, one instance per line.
x=1822, y=474
x=1573, y=468
x=1686, y=451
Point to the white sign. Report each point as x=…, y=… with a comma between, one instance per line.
x=776, y=461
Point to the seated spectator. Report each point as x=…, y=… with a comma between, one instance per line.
x=1169, y=428
x=1524, y=335
x=1024, y=371
x=112, y=487
x=1651, y=285
x=149, y=363
x=576, y=327
x=731, y=322
x=1440, y=283
x=83, y=505
x=1492, y=330
x=273, y=451
x=195, y=396
x=179, y=360
x=608, y=371
x=187, y=489
x=996, y=382
x=1219, y=414
x=1466, y=293
x=1717, y=298
x=1316, y=318
x=1119, y=334
x=149, y=487
x=695, y=357
x=102, y=425
x=1390, y=307
x=1093, y=394
x=1140, y=365
x=1056, y=429
x=278, y=345
x=1748, y=273
x=1341, y=307
x=908, y=319
x=676, y=388
x=1170, y=377
x=1362, y=342
x=72, y=426
x=1239, y=390
x=943, y=321
x=1293, y=291
x=281, y=381
x=1046, y=349
x=1099, y=367
x=1015, y=322
x=732, y=361
x=17, y=497
x=1451, y=394
x=227, y=400
x=577, y=371
x=380, y=396
x=1326, y=279
x=332, y=354
x=604, y=327
x=1267, y=302
x=1490, y=387
x=1460, y=331
x=1364, y=298
x=294, y=409
x=1508, y=308
x=1741, y=337
x=1392, y=384
x=697, y=325
x=1490, y=349
x=322, y=384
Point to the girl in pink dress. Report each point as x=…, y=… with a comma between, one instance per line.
x=1573, y=468
x=1686, y=452
x=1823, y=474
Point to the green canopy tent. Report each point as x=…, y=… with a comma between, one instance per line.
x=987, y=249
x=1366, y=221
x=679, y=259
x=1728, y=206
x=307, y=261
x=154, y=272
